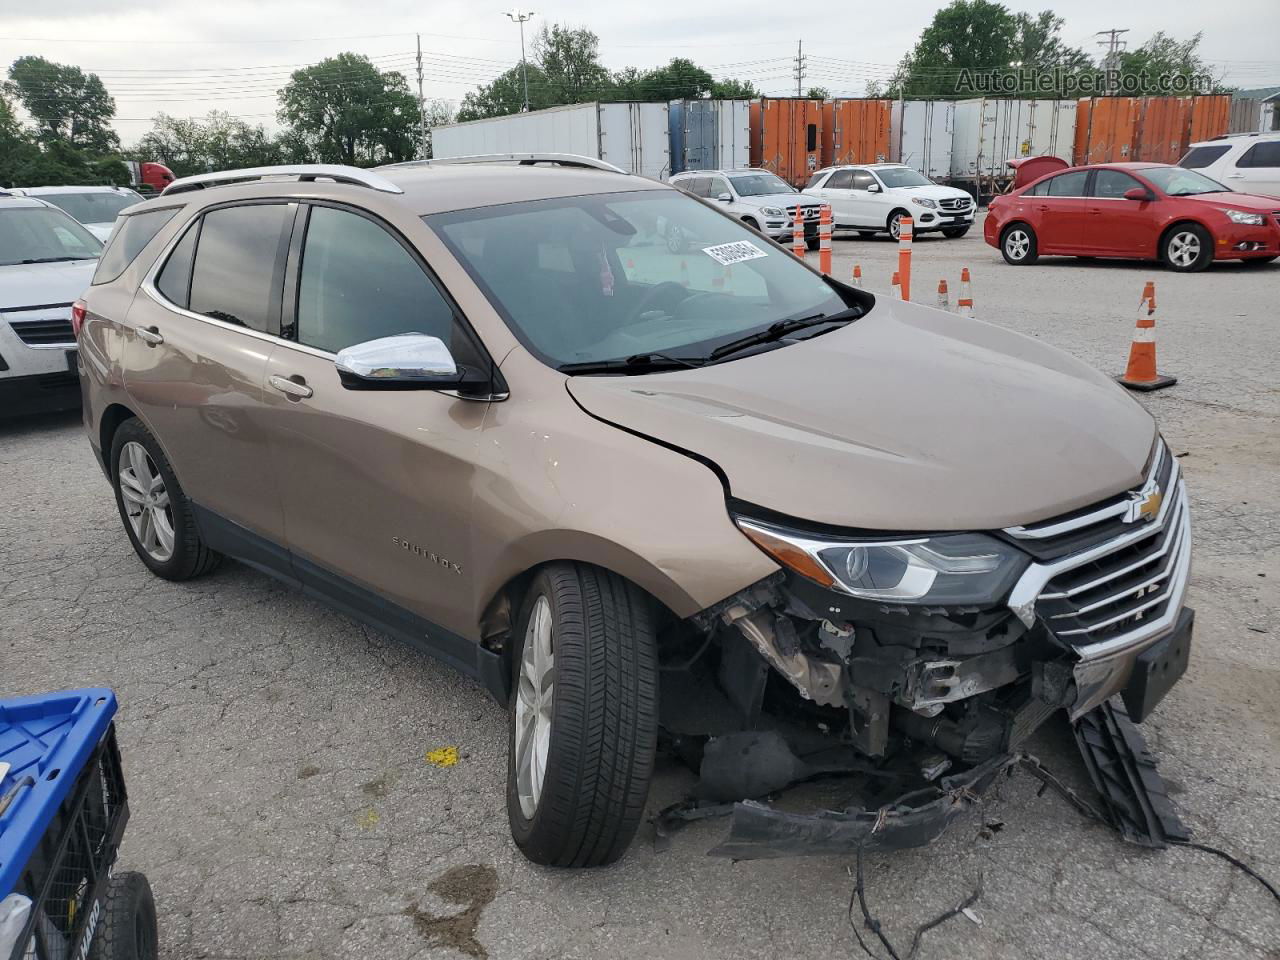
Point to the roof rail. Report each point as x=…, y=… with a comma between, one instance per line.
x=338, y=173
x=524, y=160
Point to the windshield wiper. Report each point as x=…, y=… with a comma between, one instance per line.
x=780, y=329
x=637, y=363
x=53, y=259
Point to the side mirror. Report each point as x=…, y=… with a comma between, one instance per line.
x=873, y=188
x=725, y=198
x=1138, y=193
x=407, y=361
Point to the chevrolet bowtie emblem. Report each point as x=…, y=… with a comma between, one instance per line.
x=1144, y=506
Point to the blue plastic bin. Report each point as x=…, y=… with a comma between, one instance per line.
x=63, y=810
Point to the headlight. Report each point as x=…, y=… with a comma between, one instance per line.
x=923, y=202
x=1241, y=216
x=772, y=211
x=957, y=569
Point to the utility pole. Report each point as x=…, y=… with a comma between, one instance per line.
x=799, y=71
x=521, y=16
x=1113, y=43
x=422, y=109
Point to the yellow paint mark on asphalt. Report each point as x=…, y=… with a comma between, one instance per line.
x=443, y=757
x=368, y=819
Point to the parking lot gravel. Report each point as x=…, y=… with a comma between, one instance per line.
x=277, y=753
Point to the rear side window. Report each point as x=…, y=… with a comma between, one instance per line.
x=1199, y=157
x=841, y=180
x=814, y=181
x=174, y=279
x=127, y=241
x=358, y=283
x=239, y=265
x=1261, y=155
x=1068, y=184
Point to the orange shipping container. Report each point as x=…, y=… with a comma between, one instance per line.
x=1162, y=136
x=1154, y=129
x=1210, y=117
x=855, y=131
x=1107, y=129
x=786, y=137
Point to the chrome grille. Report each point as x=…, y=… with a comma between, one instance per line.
x=46, y=332
x=954, y=203
x=810, y=213
x=1124, y=577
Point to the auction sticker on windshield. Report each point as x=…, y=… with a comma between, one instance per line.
x=736, y=252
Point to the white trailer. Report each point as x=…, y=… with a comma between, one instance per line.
x=989, y=132
x=629, y=134
x=920, y=134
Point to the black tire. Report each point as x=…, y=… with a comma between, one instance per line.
x=750, y=222
x=1018, y=245
x=190, y=557
x=127, y=928
x=954, y=233
x=1181, y=238
x=866, y=234
x=604, y=718
x=893, y=224
x=812, y=243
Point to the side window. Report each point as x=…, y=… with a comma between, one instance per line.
x=174, y=279
x=1111, y=184
x=841, y=180
x=862, y=179
x=358, y=283
x=1039, y=190
x=127, y=241
x=239, y=264
x=718, y=186
x=1198, y=157
x=815, y=180
x=685, y=184
x=1068, y=184
x=1261, y=155
x=701, y=187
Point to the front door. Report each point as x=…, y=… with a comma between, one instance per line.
x=867, y=206
x=1116, y=226
x=196, y=359
x=376, y=484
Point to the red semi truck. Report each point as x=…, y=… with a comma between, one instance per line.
x=146, y=177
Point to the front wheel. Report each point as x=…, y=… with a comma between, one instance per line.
x=1018, y=244
x=812, y=243
x=750, y=222
x=583, y=716
x=954, y=233
x=895, y=224
x=127, y=928
x=1187, y=248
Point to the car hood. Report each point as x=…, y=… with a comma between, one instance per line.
x=1230, y=200
x=38, y=284
x=935, y=192
x=908, y=419
x=783, y=200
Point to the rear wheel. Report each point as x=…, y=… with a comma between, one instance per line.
x=156, y=514
x=127, y=929
x=1187, y=248
x=583, y=716
x=1018, y=244
x=954, y=233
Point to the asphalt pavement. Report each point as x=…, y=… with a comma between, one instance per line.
x=276, y=752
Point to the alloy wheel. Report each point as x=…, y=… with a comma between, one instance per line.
x=1016, y=244
x=535, y=695
x=895, y=227
x=1184, y=249
x=146, y=501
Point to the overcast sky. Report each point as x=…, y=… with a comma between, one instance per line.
x=186, y=57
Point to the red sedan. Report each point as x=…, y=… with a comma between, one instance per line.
x=1146, y=211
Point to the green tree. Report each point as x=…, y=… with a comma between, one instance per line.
x=346, y=111
x=1037, y=44
x=1162, y=55
x=569, y=60
x=219, y=142
x=818, y=93
x=681, y=79
x=66, y=103
x=505, y=94
x=729, y=89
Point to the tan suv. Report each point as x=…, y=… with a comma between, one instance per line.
x=482, y=406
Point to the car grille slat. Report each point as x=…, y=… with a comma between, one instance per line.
x=46, y=332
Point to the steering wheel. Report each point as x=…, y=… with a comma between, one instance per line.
x=667, y=287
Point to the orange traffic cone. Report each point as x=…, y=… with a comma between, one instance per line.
x=897, y=285
x=1141, y=373
x=857, y=275
x=964, y=305
x=944, y=298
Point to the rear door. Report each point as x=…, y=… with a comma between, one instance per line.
x=1257, y=170
x=1059, y=211
x=196, y=348
x=837, y=192
x=376, y=483
x=1116, y=226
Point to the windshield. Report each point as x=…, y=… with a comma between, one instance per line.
x=1177, y=182
x=760, y=184
x=902, y=177
x=612, y=276
x=41, y=235
x=93, y=207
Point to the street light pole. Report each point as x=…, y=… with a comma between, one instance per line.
x=520, y=16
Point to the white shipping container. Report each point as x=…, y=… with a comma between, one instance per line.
x=629, y=135
x=920, y=133
x=989, y=132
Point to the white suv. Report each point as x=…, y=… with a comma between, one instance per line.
x=759, y=198
x=1245, y=162
x=95, y=207
x=874, y=197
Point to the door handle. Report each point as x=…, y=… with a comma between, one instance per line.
x=292, y=389
x=150, y=336
x=1042, y=207
x=1235, y=176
